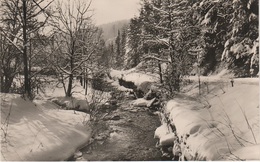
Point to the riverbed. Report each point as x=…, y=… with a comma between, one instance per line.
x=126, y=133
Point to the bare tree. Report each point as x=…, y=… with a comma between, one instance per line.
x=75, y=38
x=19, y=20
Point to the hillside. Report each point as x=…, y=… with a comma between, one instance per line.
x=110, y=30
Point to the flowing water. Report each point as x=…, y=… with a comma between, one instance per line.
x=124, y=134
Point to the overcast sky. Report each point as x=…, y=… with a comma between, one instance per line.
x=112, y=10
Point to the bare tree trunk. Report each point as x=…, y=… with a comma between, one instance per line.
x=7, y=83
x=27, y=87
x=84, y=78
x=1, y=82
x=86, y=88
x=1, y=66
x=160, y=72
x=69, y=90
x=86, y=82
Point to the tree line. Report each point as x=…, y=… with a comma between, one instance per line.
x=173, y=38
x=178, y=38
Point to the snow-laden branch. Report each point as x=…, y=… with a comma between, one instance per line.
x=82, y=61
x=156, y=58
x=16, y=46
x=160, y=10
x=43, y=10
x=63, y=70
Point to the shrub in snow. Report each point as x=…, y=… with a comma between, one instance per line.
x=176, y=150
x=99, y=82
x=82, y=105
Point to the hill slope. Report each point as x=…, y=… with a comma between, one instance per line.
x=110, y=30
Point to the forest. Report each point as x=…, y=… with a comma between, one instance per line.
x=192, y=63
x=172, y=38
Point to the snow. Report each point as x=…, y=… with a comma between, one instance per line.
x=216, y=131
x=79, y=97
x=249, y=152
x=120, y=88
x=211, y=132
x=52, y=90
x=39, y=130
x=224, y=76
x=140, y=102
x=43, y=129
x=132, y=75
x=71, y=103
x=161, y=131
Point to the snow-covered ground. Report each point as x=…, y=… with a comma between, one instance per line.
x=224, y=76
x=221, y=124
x=39, y=130
x=226, y=128
x=133, y=75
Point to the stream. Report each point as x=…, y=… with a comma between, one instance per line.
x=126, y=133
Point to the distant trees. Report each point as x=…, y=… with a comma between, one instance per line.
x=115, y=49
x=133, y=55
x=120, y=44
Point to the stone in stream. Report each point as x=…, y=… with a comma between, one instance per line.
x=116, y=117
x=102, y=136
x=134, y=111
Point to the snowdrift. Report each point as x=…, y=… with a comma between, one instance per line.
x=71, y=103
x=226, y=130
x=40, y=131
x=133, y=75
